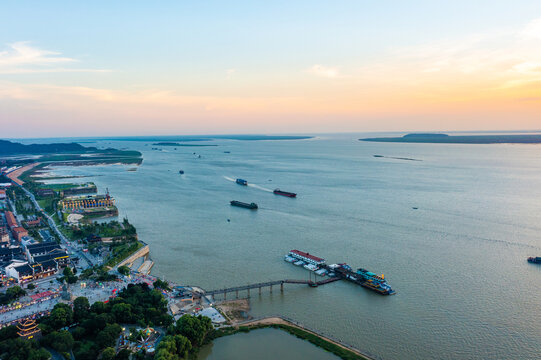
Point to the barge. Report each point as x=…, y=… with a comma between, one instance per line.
x=284, y=193
x=251, y=206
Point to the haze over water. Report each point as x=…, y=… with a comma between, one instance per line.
x=458, y=262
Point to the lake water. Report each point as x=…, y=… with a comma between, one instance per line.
x=458, y=262
x=264, y=344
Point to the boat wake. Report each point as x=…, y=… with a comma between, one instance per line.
x=259, y=187
x=228, y=178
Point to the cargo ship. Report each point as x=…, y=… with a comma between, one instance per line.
x=535, y=260
x=241, y=182
x=252, y=206
x=284, y=193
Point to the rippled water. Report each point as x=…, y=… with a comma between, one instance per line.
x=458, y=262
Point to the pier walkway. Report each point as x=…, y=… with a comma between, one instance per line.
x=269, y=284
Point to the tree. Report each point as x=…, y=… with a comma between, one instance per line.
x=81, y=308
x=15, y=292
x=160, y=284
x=98, y=307
x=31, y=287
x=124, y=270
x=195, y=328
x=108, y=354
x=173, y=347
x=61, y=316
x=108, y=336
x=61, y=341
x=122, y=312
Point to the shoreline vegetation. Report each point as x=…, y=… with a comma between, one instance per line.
x=461, y=139
x=126, y=248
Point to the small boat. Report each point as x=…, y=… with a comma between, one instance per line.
x=251, y=206
x=289, y=259
x=227, y=152
x=299, y=263
x=241, y=182
x=534, y=260
x=321, y=272
x=284, y=193
x=310, y=267
x=181, y=172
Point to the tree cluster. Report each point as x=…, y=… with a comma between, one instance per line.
x=188, y=334
x=11, y=294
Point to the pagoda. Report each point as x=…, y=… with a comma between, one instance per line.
x=28, y=329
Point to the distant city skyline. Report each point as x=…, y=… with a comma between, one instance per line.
x=136, y=68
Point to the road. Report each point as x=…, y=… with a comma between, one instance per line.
x=52, y=225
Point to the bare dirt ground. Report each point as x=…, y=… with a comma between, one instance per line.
x=235, y=310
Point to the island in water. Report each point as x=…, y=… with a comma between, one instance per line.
x=179, y=144
x=462, y=139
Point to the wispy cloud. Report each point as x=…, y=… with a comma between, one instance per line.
x=230, y=72
x=324, y=71
x=21, y=58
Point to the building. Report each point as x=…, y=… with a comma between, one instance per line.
x=44, y=269
x=22, y=272
x=8, y=254
x=40, y=249
x=306, y=257
x=34, y=222
x=28, y=329
x=4, y=236
x=19, y=232
x=59, y=256
x=87, y=202
x=45, y=193
x=11, y=221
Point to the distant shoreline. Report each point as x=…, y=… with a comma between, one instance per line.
x=461, y=139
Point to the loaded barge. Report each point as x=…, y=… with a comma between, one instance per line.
x=361, y=277
x=284, y=193
x=251, y=206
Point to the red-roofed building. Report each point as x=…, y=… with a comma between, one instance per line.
x=306, y=257
x=18, y=233
x=10, y=219
x=33, y=223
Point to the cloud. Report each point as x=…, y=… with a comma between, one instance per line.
x=532, y=30
x=324, y=71
x=230, y=73
x=22, y=58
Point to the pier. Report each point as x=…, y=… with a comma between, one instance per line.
x=269, y=284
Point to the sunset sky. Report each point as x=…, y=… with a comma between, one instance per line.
x=200, y=67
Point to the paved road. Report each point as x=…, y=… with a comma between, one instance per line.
x=52, y=225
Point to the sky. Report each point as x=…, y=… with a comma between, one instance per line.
x=95, y=68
